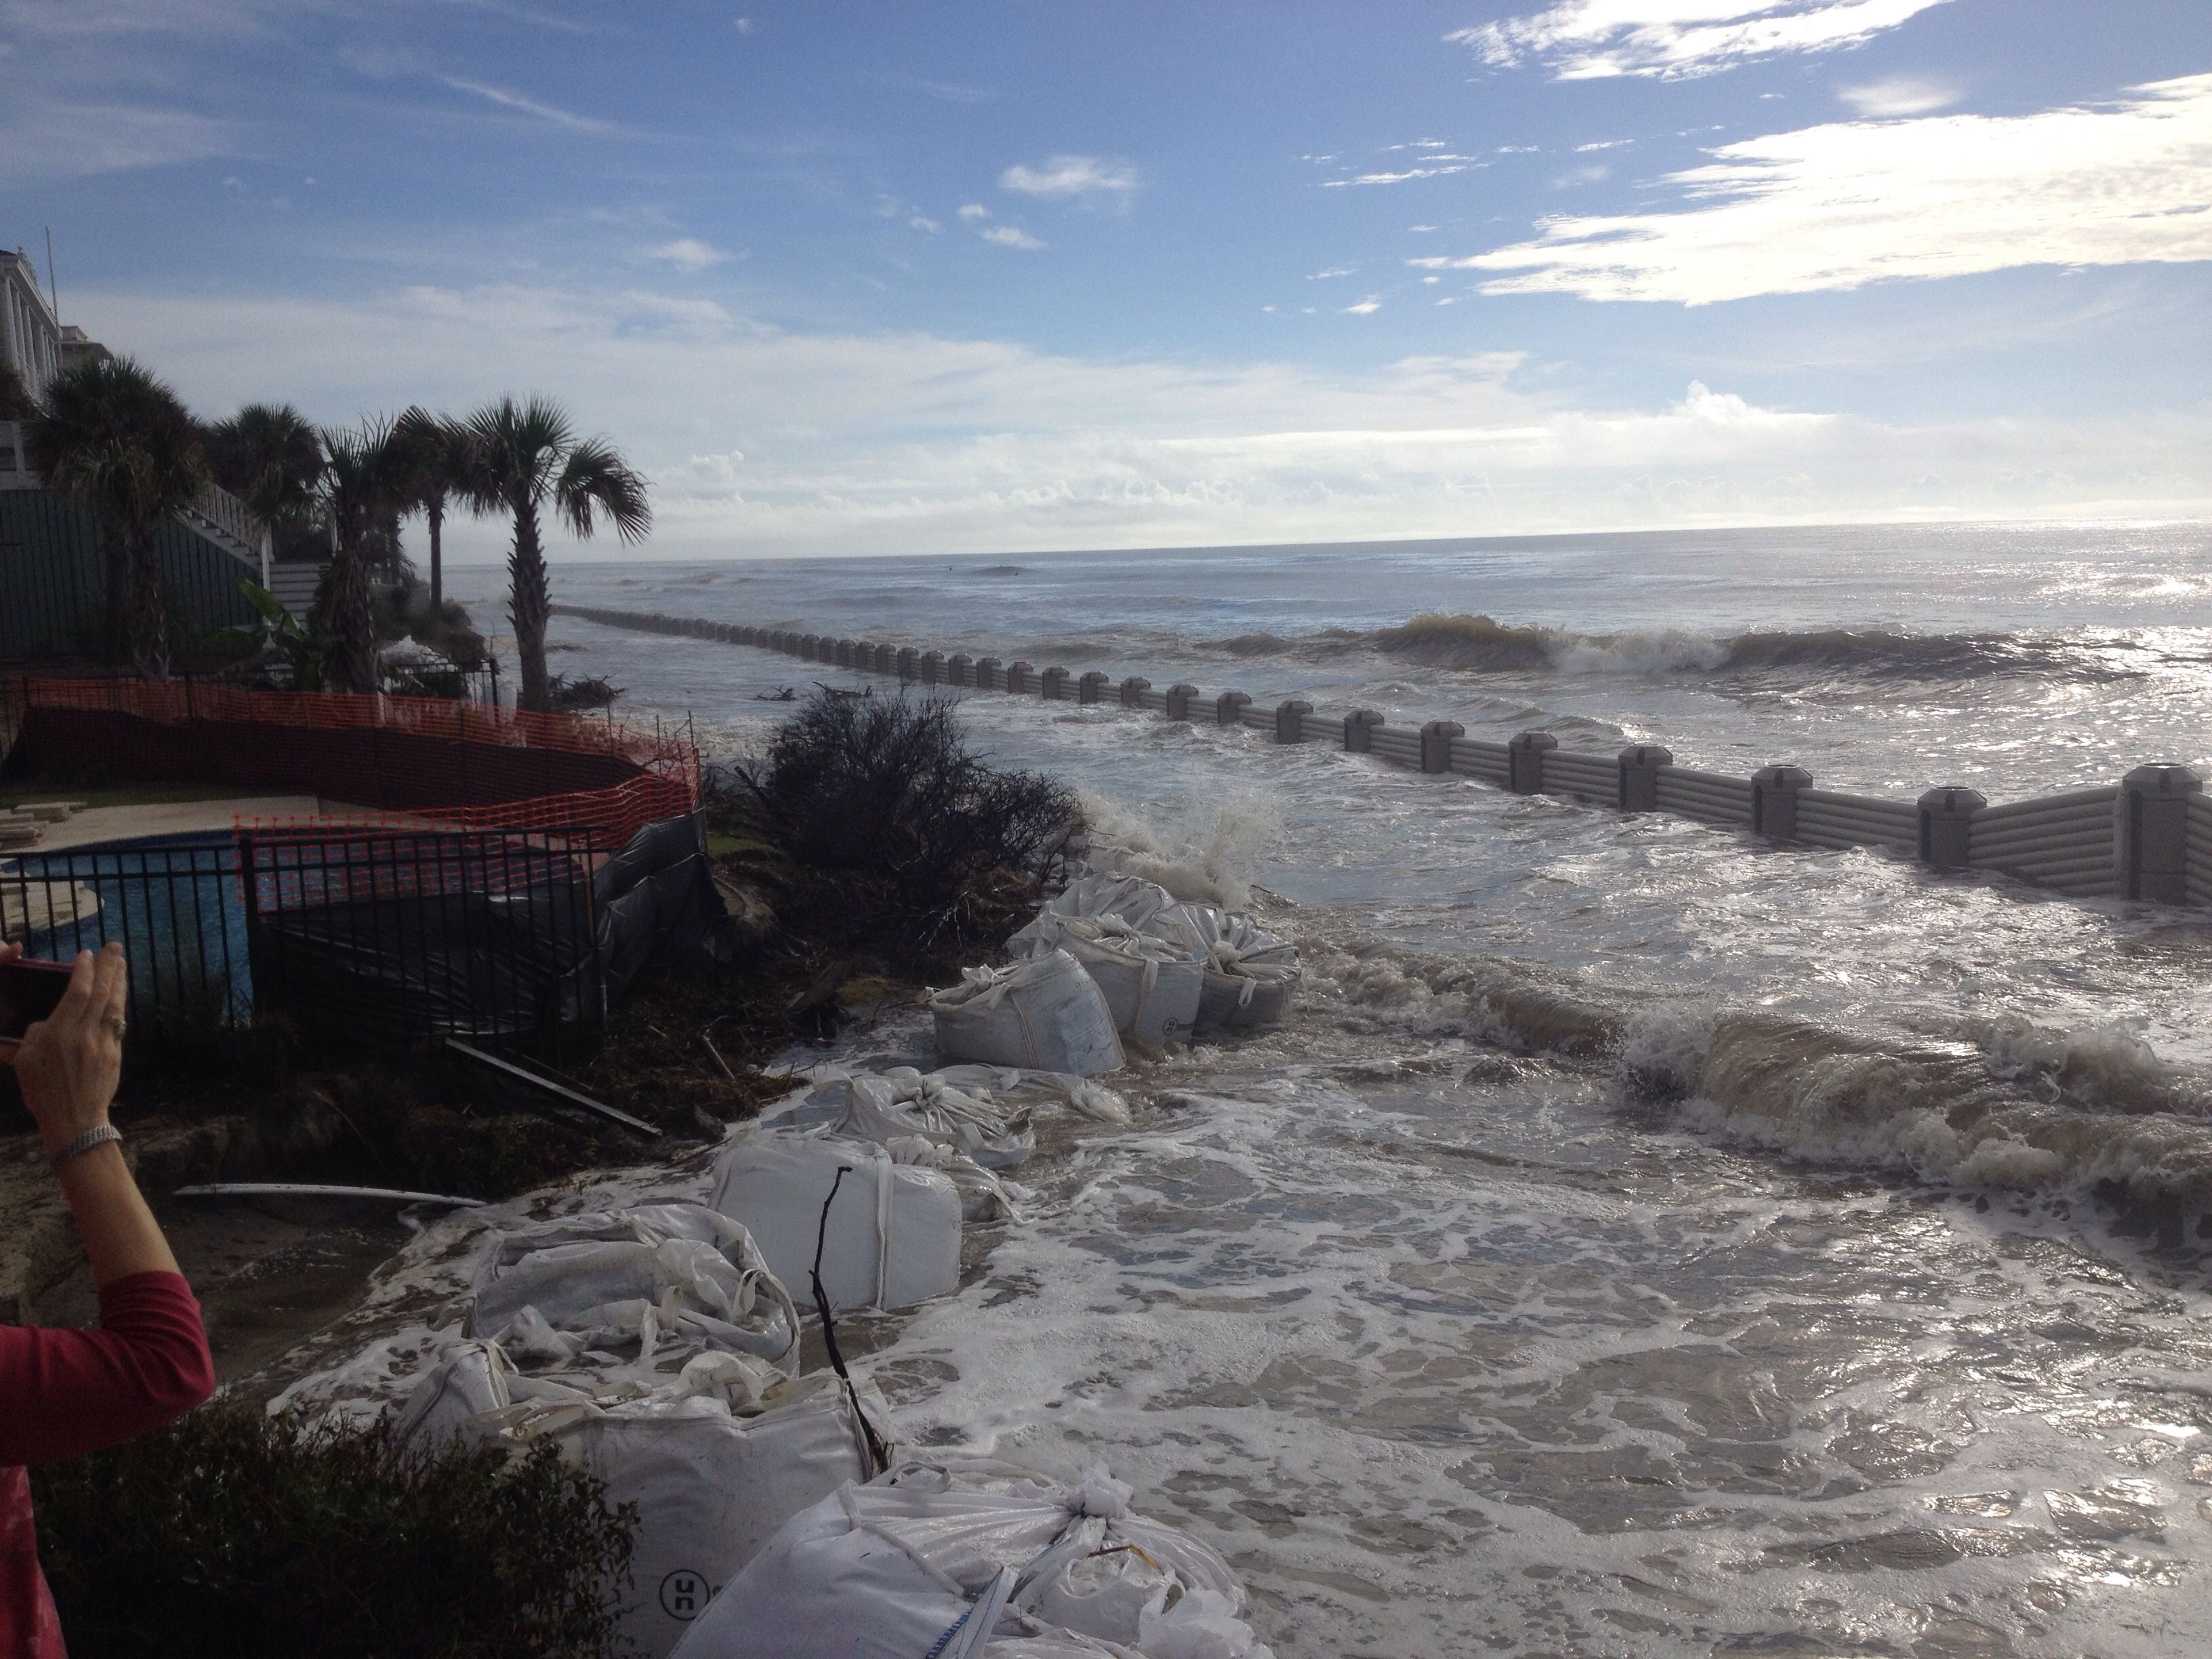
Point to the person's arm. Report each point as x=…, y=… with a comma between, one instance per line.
x=68, y=1067
x=64, y=1392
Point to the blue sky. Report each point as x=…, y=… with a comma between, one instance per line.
x=1015, y=276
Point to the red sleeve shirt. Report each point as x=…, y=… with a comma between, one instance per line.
x=63, y=1393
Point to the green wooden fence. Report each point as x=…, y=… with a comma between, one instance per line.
x=53, y=578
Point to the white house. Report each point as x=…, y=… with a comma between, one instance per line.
x=30, y=334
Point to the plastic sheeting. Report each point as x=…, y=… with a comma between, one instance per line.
x=893, y=1234
x=968, y=1557
x=1045, y=1012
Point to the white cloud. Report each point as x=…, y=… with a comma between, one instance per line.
x=44, y=140
x=1900, y=94
x=1842, y=206
x=1008, y=236
x=1403, y=175
x=688, y=253
x=743, y=25
x=1027, y=450
x=1366, y=307
x=1420, y=230
x=515, y=100
x=1071, y=175
x=923, y=222
x=1593, y=39
x=1603, y=144
x=971, y=211
x=1333, y=270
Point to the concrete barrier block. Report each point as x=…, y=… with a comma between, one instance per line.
x=887, y=658
x=909, y=665
x=933, y=667
x=2150, y=831
x=1179, y=700
x=1134, y=690
x=1021, y=678
x=1774, y=791
x=1052, y=685
x=1092, y=687
x=960, y=669
x=1229, y=708
x=1524, y=761
x=1946, y=818
x=1360, y=730
x=987, y=672
x=1436, y=744
x=1291, y=720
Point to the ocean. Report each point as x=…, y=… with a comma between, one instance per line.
x=1641, y=1242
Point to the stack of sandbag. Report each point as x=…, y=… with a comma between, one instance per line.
x=712, y=1468
x=1249, y=972
x=964, y=1559
x=1127, y=934
x=1043, y=1013
x=891, y=1234
x=638, y=1289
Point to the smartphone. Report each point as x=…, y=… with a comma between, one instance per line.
x=29, y=991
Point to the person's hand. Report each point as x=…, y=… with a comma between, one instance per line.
x=70, y=1061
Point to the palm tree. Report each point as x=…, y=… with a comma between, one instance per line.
x=117, y=434
x=270, y=457
x=526, y=456
x=438, y=464
x=363, y=484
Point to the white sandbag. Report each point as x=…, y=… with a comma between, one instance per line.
x=711, y=1488
x=894, y=1232
x=984, y=1196
x=682, y=1271
x=1249, y=972
x=1145, y=905
x=467, y=1380
x=1044, y=1013
x=899, y=1102
x=1016, y=1085
x=1152, y=985
x=943, y=1558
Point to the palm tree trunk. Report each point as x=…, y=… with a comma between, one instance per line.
x=353, y=620
x=532, y=600
x=434, y=511
x=150, y=620
x=115, y=551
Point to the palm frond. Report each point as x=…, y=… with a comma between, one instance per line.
x=598, y=483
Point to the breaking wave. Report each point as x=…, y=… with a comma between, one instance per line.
x=2008, y=1105
x=1480, y=644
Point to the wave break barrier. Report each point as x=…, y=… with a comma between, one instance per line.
x=2147, y=837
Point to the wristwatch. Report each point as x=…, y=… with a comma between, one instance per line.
x=77, y=1145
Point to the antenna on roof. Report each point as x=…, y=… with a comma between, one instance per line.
x=53, y=292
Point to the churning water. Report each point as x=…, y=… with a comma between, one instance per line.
x=1641, y=1242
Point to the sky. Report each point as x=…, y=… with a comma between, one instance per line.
x=883, y=278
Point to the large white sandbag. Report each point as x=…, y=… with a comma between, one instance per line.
x=893, y=1237
x=1145, y=905
x=1043, y=1012
x=1152, y=985
x=920, y=1560
x=900, y=1101
x=1249, y=972
x=609, y=1277
x=710, y=1487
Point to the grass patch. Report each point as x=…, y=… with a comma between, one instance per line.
x=234, y=1534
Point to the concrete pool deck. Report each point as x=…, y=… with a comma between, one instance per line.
x=180, y=817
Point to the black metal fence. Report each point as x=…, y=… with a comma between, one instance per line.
x=394, y=935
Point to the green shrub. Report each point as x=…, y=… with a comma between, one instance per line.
x=235, y=1533
x=928, y=843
